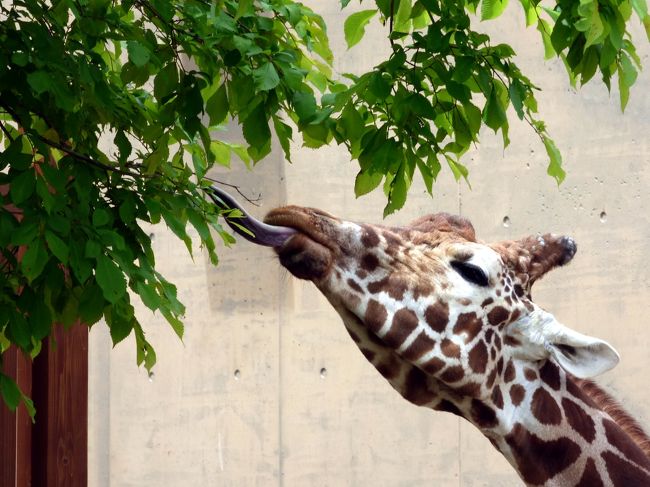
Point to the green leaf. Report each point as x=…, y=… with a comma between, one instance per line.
x=555, y=165
x=18, y=331
x=57, y=246
x=166, y=81
x=402, y=16
x=91, y=304
x=257, y=133
x=266, y=77
x=366, y=181
x=120, y=321
x=217, y=106
x=110, y=279
x=491, y=9
x=138, y=54
x=355, y=26
x=457, y=169
x=627, y=75
x=22, y=186
x=40, y=320
x=398, y=189
x=494, y=114
x=101, y=217
x=176, y=324
x=148, y=295
x=590, y=23
x=10, y=392
x=34, y=260
x=284, y=133
x=40, y=81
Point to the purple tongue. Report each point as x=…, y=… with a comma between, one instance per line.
x=262, y=233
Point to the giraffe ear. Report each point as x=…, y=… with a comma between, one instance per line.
x=580, y=355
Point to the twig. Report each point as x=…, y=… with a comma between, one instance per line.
x=6, y=132
x=236, y=188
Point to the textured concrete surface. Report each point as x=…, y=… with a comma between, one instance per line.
x=268, y=389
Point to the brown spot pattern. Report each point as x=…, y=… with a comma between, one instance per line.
x=579, y=420
x=512, y=341
x=354, y=285
x=491, y=377
x=590, y=476
x=550, y=374
x=622, y=473
x=404, y=323
x=497, y=397
x=433, y=365
x=517, y=394
x=390, y=367
x=375, y=287
x=467, y=323
x=617, y=437
x=478, y=357
x=375, y=316
x=369, y=262
x=449, y=348
x=498, y=315
x=482, y=414
x=452, y=374
x=423, y=289
x=421, y=345
x=437, y=316
x=448, y=407
x=509, y=374
x=470, y=389
x=540, y=460
x=530, y=374
x=417, y=389
x=369, y=237
x=545, y=408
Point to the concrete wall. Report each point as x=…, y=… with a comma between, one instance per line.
x=267, y=388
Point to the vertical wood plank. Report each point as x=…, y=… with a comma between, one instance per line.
x=23, y=424
x=60, y=392
x=16, y=427
x=8, y=428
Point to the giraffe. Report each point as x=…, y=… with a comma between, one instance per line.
x=450, y=323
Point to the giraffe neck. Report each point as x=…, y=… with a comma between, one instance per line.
x=557, y=430
x=554, y=429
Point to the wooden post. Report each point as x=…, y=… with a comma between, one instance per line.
x=52, y=452
x=16, y=427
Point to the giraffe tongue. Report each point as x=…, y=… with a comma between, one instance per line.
x=258, y=232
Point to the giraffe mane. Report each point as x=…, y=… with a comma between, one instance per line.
x=611, y=406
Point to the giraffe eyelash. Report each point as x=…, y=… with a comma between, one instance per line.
x=471, y=273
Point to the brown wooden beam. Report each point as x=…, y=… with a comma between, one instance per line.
x=60, y=393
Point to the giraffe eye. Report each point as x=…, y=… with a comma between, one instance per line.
x=471, y=273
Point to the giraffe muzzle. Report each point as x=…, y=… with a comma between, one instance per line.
x=249, y=227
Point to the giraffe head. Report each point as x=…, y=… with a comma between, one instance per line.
x=431, y=296
x=429, y=292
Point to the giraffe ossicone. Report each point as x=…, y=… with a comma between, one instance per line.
x=451, y=325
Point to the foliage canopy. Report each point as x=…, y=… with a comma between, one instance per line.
x=110, y=114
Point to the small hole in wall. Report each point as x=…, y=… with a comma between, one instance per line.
x=323, y=373
x=603, y=217
x=506, y=221
x=237, y=374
